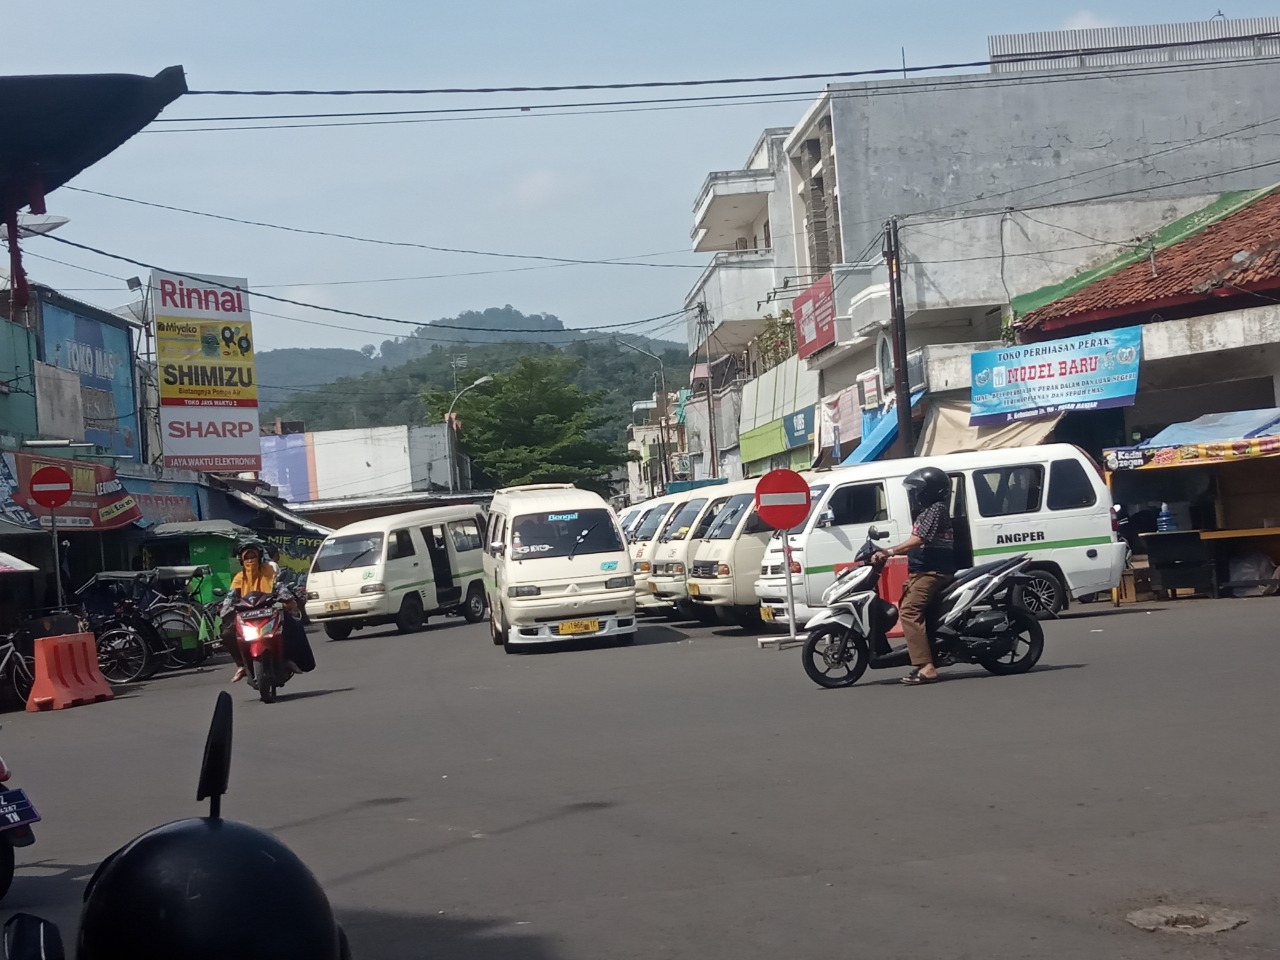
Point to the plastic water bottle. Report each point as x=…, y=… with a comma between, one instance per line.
x=1166, y=522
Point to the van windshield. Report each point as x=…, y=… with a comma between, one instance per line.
x=731, y=516
x=344, y=553
x=540, y=536
x=649, y=525
x=681, y=522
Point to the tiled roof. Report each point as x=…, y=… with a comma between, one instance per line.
x=1240, y=249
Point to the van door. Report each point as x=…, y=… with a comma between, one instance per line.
x=1078, y=530
x=841, y=531
x=960, y=521
x=447, y=593
x=1009, y=520
x=403, y=571
x=465, y=544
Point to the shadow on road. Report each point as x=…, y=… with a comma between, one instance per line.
x=308, y=694
x=1108, y=612
x=977, y=674
x=376, y=935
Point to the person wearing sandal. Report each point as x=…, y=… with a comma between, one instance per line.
x=930, y=552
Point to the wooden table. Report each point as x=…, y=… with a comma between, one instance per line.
x=1239, y=534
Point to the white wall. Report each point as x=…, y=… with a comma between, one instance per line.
x=362, y=462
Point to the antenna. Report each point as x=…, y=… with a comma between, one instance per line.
x=215, y=769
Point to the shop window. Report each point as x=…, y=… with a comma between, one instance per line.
x=858, y=503
x=1007, y=491
x=400, y=545
x=1069, y=486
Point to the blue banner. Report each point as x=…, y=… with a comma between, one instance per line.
x=798, y=428
x=1090, y=372
x=101, y=356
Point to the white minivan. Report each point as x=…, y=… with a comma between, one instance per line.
x=1049, y=502
x=672, y=553
x=556, y=567
x=643, y=540
x=399, y=569
x=726, y=561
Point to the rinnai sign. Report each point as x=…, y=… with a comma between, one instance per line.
x=208, y=377
x=814, y=312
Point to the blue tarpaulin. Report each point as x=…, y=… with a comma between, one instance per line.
x=876, y=440
x=1217, y=427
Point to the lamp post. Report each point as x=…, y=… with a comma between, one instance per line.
x=448, y=421
x=663, y=441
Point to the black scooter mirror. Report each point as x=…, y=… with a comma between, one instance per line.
x=27, y=937
x=215, y=770
x=874, y=534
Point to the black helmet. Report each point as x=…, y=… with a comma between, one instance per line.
x=207, y=889
x=925, y=487
x=251, y=543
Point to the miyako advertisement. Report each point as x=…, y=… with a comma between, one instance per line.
x=208, y=381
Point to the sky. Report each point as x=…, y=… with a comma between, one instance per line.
x=587, y=187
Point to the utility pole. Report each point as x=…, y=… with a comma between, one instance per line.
x=901, y=383
x=661, y=391
x=713, y=456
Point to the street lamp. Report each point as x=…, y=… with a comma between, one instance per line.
x=663, y=442
x=448, y=420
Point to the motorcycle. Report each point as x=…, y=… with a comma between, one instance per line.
x=259, y=626
x=16, y=817
x=973, y=619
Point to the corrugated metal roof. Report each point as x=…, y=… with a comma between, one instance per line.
x=1203, y=38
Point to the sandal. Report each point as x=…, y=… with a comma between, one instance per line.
x=238, y=675
x=917, y=679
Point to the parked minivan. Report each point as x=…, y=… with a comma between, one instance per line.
x=399, y=569
x=556, y=567
x=726, y=561
x=684, y=530
x=1049, y=502
x=643, y=540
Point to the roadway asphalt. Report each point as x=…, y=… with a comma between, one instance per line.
x=694, y=796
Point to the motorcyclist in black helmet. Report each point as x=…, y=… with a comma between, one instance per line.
x=198, y=889
x=930, y=552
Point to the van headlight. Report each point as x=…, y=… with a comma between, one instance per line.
x=677, y=569
x=641, y=566
x=617, y=583
x=527, y=590
x=723, y=570
x=374, y=588
x=312, y=595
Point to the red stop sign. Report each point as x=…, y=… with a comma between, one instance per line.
x=50, y=487
x=782, y=499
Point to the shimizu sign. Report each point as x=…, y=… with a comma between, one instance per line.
x=208, y=381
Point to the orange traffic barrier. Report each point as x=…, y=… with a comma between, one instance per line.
x=892, y=579
x=67, y=673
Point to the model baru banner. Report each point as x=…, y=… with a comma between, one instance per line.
x=208, y=383
x=1091, y=372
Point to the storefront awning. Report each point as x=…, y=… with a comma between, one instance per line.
x=1213, y=438
x=877, y=440
x=947, y=430
x=11, y=564
x=265, y=506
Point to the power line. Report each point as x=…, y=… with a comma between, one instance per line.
x=338, y=310
x=375, y=240
x=726, y=81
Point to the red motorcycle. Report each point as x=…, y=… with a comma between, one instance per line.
x=16, y=817
x=259, y=622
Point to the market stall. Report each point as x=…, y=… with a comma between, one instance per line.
x=1216, y=480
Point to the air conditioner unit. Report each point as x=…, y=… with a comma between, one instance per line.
x=869, y=390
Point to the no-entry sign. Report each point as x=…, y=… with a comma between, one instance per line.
x=51, y=487
x=782, y=499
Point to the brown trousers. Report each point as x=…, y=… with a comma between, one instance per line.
x=912, y=611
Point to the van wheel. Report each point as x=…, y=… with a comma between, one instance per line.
x=1043, y=595
x=337, y=631
x=473, y=606
x=410, y=619
x=496, y=633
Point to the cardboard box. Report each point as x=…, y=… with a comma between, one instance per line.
x=1135, y=587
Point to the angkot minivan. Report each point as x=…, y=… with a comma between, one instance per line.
x=399, y=569
x=677, y=540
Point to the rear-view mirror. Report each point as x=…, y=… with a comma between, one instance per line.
x=27, y=937
x=497, y=548
x=219, y=592
x=874, y=534
x=826, y=518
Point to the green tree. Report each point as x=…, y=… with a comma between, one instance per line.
x=532, y=425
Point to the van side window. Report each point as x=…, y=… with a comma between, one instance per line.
x=858, y=503
x=754, y=524
x=1069, y=486
x=708, y=518
x=1004, y=491
x=466, y=535
x=399, y=545
x=497, y=532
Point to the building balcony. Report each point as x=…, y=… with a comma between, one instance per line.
x=727, y=206
x=735, y=289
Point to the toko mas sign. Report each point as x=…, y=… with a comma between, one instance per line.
x=208, y=385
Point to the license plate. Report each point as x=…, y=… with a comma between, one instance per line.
x=333, y=606
x=653, y=587
x=694, y=590
x=766, y=613
x=16, y=810
x=572, y=627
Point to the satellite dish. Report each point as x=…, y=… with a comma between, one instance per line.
x=35, y=225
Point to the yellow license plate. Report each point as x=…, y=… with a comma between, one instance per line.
x=572, y=627
x=694, y=590
x=334, y=606
x=766, y=613
x=653, y=587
